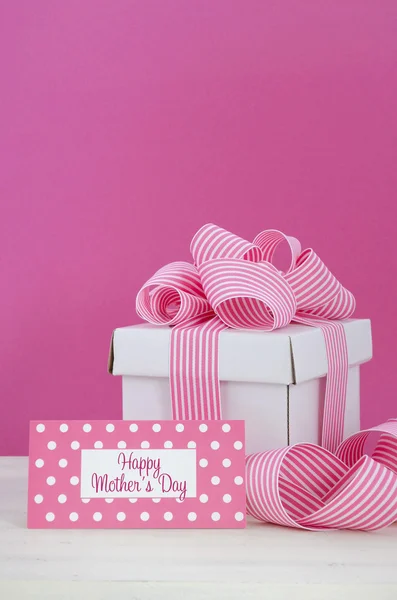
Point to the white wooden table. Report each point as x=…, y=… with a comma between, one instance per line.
x=261, y=562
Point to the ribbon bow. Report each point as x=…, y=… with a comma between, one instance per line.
x=307, y=487
x=233, y=283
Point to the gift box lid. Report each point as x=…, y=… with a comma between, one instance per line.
x=290, y=355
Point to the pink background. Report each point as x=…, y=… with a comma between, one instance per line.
x=127, y=125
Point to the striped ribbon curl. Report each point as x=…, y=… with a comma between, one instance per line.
x=308, y=487
x=234, y=283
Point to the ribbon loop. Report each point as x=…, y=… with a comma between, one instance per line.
x=211, y=242
x=173, y=295
x=313, y=284
x=341, y=307
x=248, y=295
x=269, y=240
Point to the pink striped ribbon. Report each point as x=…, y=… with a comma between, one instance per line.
x=308, y=487
x=233, y=283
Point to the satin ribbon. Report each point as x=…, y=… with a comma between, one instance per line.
x=233, y=283
x=308, y=487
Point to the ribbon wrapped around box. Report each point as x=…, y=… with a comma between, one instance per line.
x=233, y=283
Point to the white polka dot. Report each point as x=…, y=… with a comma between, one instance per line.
x=203, y=427
x=215, y=516
x=50, y=517
x=238, y=480
x=133, y=427
x=215, y=445
x=109, y=500
x=51, y=480
x=63, y=428
x=74, y=480
x=238, y=445
x=192, y=516
x=98, y=444
x=215, y=480
x=180, y=427
x=133, y=500
x=168, y=444
x=168, y=516
x=239, y=516
x=73, y=516
x=226, y=462
x=75, y=445
x=87, y=428
x=122, y=444
x=38, y=498
x=62, y=498
x=110, y=427
x=227, y=498
x=226, y=427
x=63, y=463
x=145, y=516
x=97, y=516
x=145, y=445
x=40, y=428
x=191, y=444
x=179, y=500
x=156, y=427
x=156, y=500
x=121, y=516
x=203, y=462
x=86, y=500
x=203, y=498
x=39, y=463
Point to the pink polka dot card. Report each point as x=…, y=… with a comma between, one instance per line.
x=136, y=474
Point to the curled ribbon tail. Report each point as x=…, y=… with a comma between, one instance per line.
x=308, y=487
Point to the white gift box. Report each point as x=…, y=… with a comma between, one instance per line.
x=275, y=381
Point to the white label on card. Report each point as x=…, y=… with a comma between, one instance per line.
x=138, y=474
